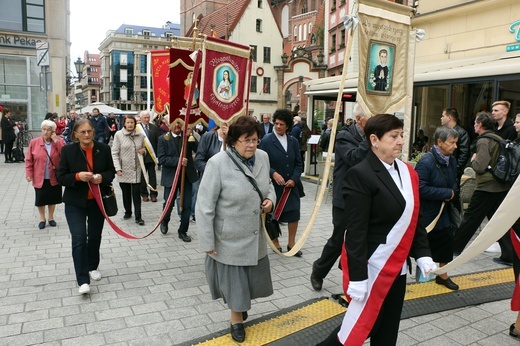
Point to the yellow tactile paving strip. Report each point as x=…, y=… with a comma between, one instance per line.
x=292, y=322
x=286, y=324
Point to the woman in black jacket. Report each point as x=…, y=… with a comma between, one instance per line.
x=82, y=162
x=8, y=135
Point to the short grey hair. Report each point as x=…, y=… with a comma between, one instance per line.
x=49, y=123
x=359, y=111
x=444, y=132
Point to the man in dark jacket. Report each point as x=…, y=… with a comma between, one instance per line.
x=351, y=148
x=450, y=118
x=100, y=125
x=169, y=153
x=504, y=126
x=152, y=133
x=488, y=194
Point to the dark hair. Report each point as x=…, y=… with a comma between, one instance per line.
x=95, y=109
x=453, y=113
x=243, y=125
x=77, y=124
x=129, y=117
x=380, y=124
x=48, y=116
x=486, y=120
x=284, y=115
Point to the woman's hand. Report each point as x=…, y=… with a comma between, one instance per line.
x=290, y=183
x=97, y=179
x=119, y=173
x=278, y=178
x=141, y=151
x=85, y=176
x=212, y=252
x=267, y=205
x=184, y=162
x=29, y=179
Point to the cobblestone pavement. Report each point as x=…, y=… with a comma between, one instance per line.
x=154, y=292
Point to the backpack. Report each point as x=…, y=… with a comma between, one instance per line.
x=507, y=165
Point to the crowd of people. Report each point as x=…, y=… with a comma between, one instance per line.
x=250, y=168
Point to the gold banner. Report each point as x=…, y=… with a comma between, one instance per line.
x=384, y=59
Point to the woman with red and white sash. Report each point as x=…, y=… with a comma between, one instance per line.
x=382, y=205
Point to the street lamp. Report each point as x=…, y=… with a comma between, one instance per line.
x=79, y=65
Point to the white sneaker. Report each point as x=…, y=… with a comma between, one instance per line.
x=95, y=275
x=84, y=289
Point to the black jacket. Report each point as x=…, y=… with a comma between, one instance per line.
x=374, y=205
x=351, y=149
x=209, y=145
x=462, y=153
x=73, y=161
x=168, y=154
x=507, y=131
x=153, y=136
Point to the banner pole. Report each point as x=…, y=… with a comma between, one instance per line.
x=326, y=170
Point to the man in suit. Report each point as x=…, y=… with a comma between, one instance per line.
x=351, y=148
x=267, y=125
x=169, y=151
x=152, y=133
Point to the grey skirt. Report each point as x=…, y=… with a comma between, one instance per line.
x=237, y=285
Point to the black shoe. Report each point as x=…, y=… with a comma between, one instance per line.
x=316, y=282
x=127, y=216
x=501, y=261
x=184, y=237
x=52, y=223
x=237, y=332
x=140, y=222
x=244, y=315
x=513, y=332
x=41, y=225
x=193, y=219
x=279, y=249
x=298, y=254
x=164, y=228
x=447, y=283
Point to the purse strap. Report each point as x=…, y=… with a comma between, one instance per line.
x=251, y=179
x=52, y=163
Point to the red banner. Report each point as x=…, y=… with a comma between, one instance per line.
x=181, y=67
x=225, y=79
x=160, y=80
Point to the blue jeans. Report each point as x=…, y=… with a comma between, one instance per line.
x=85, y=226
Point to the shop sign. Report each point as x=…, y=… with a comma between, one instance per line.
x=19, y=41
x=514, y=28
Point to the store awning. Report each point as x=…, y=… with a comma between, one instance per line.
x=504, y=64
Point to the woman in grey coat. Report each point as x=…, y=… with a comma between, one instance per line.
x=128, y=143
x=229, y=213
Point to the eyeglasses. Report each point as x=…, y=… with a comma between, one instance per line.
x=249, y=141
x=86, y=132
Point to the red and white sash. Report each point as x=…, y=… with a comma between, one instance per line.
x=515, y=300
x=384, y=265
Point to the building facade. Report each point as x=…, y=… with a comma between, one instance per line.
x=34, y=51
x=123, y=63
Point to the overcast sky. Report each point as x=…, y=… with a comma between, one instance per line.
x=90, y=20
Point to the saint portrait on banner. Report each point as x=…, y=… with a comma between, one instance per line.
x=380, y=65
x=225, y=82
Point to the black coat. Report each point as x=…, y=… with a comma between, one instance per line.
x=262, y=130
x=168, y=154
x=507, y=131
x=373, y=205
x=73, y=161
x=209, y=146
x=153, y=136
x=286, y=163
x=351, y=149
x=8, y=126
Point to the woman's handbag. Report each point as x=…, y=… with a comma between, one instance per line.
x=109, y=199
x=272, y=226
x=455, y=218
